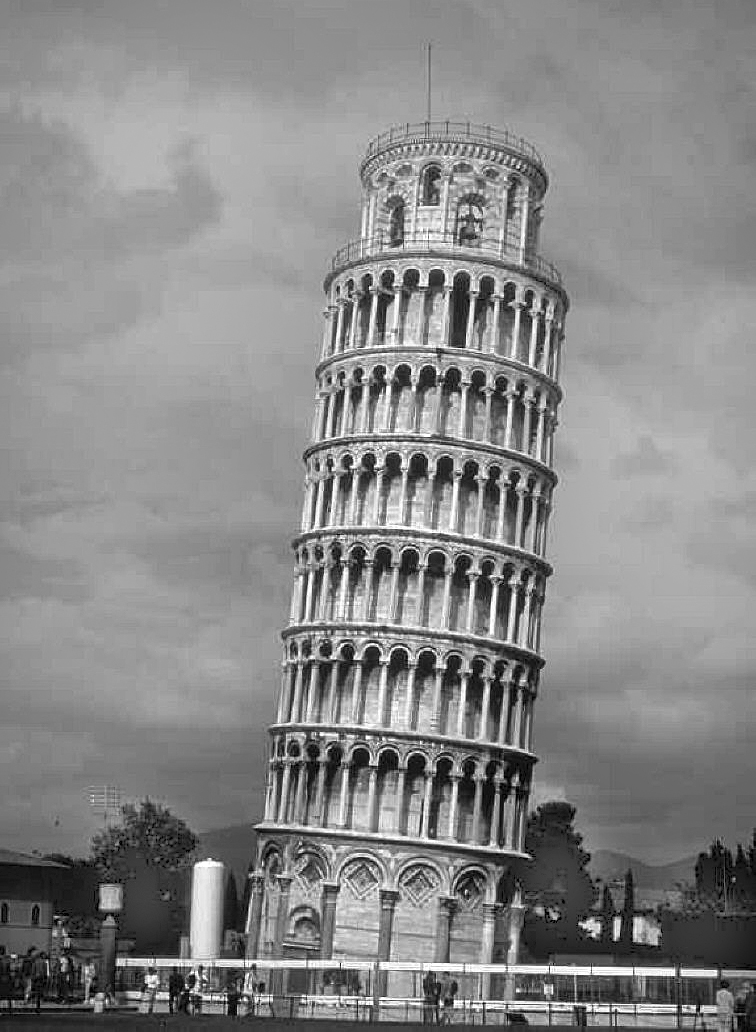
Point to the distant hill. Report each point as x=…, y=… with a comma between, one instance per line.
x=655, y=884
x=234, y=845
x=611, y=866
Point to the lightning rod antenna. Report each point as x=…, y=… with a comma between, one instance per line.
x=428, y=106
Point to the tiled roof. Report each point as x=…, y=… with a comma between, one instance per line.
x=7, y=856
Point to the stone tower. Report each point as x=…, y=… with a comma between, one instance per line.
x=401, y=757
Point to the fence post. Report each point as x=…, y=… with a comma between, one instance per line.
x=678, y=995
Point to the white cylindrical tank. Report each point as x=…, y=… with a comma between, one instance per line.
x=206, y=922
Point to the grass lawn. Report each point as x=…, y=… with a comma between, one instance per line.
x=87, y=1022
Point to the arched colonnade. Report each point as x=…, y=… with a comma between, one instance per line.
x=399, y=585
x=493, y=409
x=469, y=800
x=392, y=687
x=448, y=309
x=416, y=489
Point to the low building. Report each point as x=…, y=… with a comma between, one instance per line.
x=646, y=923
x=27, y=891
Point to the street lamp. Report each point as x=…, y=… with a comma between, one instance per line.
x=110, y=904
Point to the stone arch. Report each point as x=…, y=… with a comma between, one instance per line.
x=356, y=863
x=396, y=213
x=396, y=688
x=430, y=185
x=469, y=219
x=360, y=876
x=332, y=784
x=359, y=788
x=310, y=868
x=386, y=818
x=433, y=593
x=470, y=887
x=460, y=304
x=303, y=931
x=440, y=801
x=271, y=864
x=410, y=301
x=417, y=768
x=431, y=318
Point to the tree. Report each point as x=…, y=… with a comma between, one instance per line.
x=556, y=886
x=150, y=852
x=231, y=904
x=723, y=884
x=149, y=833
x=557, y=882
x=628, y=911
x=607, y=917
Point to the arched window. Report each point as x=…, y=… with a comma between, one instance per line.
x=396, y=225
x=431, y=188
x=4, y=913
x=469, y=229
x=35, y=914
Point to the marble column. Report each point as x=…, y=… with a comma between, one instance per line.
x=388, y=901
x=446, y=907
x=328, y=919
x=254, y=913
x=282, y=917
x=490, y=910
x=516, y=918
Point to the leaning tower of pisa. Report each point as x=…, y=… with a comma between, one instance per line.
x=401, y=756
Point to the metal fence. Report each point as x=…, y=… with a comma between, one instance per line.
x=451, y=130
x=362, y=990
x=508, y=250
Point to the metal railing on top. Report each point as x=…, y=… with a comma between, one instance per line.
x=463, y=131
x=527, y=984
x=436, y=240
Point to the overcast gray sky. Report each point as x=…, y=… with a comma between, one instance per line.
x=174, y=179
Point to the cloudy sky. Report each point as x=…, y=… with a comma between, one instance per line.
x=174, y=179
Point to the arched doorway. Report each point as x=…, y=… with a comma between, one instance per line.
x=302, y=942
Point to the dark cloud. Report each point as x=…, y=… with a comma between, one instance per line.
x=54, y=201
x=71, y=241
x=162, y=313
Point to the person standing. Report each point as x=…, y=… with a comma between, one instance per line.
x=6, y=979
x=725, y=1007
x=251, y=989
x=89, y=972
x=40, y=974
x=151, y=986
x=64, y=968
x=26, y=974
x=429, y=998
x=749, y=1010
x=233, y=994
x=449, y=989
x=175, y=990
x=198, y=986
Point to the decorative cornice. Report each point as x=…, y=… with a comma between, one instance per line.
x=364, y=252
x=459, y=445
x=472, y=645
x=462, y=748
x=373, y=839
x=471, y=361
x=480, y=548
